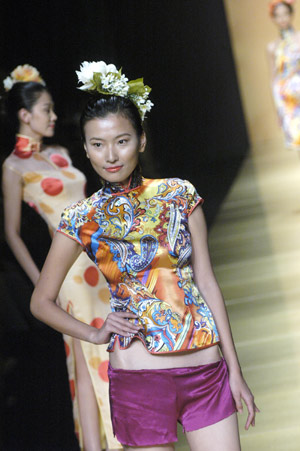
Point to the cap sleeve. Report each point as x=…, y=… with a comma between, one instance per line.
x=193, y=198
x=67, y=224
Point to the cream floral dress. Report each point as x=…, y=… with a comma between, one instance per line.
x=286, y=87
x=50, y=183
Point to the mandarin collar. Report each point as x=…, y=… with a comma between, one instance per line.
x=286, y=34
x=25, y=146
x=134, y=181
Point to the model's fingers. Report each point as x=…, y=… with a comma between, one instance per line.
x=249, y=400
x=125, y=314
x=121, y=326
x=122, y=317
x=256, y=410
x=125, y=323
x=249, y=421
x=125, y=319
x=238, y=403
x=129, y=328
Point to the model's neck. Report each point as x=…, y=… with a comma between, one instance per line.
x=285, y=32
x=25, y=130
x=134, y=181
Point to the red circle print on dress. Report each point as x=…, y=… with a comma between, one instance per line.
x=72, y=388
x=97, y=322
x=67, y=349
x=91, y=276
x=52, y=186
x=60, y=161
x=102, y=370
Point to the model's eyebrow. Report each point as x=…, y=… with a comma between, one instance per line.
x=97, y=138
x=123, y=134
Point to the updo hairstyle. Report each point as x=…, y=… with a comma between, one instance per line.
x=288, y=5
x=21, y=95
x=100, y=106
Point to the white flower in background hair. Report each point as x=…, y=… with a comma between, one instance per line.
x=8, y=83
x=106, y=79
x=22, y=74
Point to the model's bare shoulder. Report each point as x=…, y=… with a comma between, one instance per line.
x=57, y=148
x=297, y=36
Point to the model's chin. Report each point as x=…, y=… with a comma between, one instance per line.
x=49, y=133
x=285, y=27
x=114, y=177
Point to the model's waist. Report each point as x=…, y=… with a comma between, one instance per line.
x=142, y=294
x=136, y=357
x=285, y=75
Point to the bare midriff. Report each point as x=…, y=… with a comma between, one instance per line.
x=136, y=357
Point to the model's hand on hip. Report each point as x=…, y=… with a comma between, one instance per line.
x=118, y=323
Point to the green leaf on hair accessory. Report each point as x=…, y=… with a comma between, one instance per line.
x=137, y=87
x=106, y=79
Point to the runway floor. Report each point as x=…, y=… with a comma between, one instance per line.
x=255, y=249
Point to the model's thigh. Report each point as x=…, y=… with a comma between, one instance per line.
x=166, y=447
x=221, y=436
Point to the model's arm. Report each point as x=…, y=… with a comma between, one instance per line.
x=209, y=289
x=63, y=253
x=12, y=200
x=271, y=59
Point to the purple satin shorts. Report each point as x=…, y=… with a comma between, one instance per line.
x=147, y=404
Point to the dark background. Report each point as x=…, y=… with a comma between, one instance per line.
x=195, y=131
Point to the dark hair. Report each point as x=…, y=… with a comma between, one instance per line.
x=288, y=5
x=100, y=106
x=22, y=95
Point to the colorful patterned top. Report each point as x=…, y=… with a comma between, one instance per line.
x=138, y=237
x=286, y=87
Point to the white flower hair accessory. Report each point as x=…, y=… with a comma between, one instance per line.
x=106, y=79
x=22, y=74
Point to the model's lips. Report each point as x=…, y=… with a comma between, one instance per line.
x=114, y=168
x=51, y=125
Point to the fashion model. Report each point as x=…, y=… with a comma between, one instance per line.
x=284, y=61
x=168, y=320
x=44, y=178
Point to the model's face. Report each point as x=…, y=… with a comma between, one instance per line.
x=282, y=17
x=41, y=119
x=112, y=145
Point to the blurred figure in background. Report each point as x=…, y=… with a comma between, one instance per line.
x=284, y=60
x=44, y=178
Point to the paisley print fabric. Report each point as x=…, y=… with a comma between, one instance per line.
x=286, y=88
x=139, y=239
x=50, y=182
